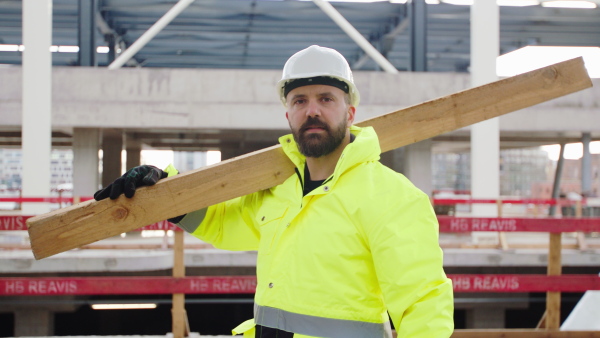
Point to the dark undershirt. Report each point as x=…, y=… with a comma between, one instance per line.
x=310, y=185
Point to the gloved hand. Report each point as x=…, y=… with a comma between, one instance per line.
x=139, y=176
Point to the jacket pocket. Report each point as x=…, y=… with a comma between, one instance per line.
x=269, y=219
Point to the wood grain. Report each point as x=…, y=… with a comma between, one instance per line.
x=90, y=221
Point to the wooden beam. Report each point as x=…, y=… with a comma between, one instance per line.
x=180, y=324
x=90, y=221
x=554, y=269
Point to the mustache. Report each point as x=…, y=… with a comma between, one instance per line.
x=313, y=122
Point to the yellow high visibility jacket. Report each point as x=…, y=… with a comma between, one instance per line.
x=335, y=262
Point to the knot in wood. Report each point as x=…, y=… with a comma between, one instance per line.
x=119, y=213
x=550, y=74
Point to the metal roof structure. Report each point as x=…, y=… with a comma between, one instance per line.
x=262, y=34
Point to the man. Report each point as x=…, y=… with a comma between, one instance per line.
x=346, y=243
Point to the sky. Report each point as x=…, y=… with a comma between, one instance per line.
x=573, y=151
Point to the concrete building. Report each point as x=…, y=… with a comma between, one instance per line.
x=206, y=83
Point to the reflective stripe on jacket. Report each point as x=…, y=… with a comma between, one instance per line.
x=335, y=262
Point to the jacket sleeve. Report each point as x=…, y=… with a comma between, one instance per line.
x=231, y=225
x=409, y=265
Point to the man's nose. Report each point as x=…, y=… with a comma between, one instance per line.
x=312, y=109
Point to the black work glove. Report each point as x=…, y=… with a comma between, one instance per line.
x=139, y=176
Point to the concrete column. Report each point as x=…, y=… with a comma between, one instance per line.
x=86, y=143
x=485, y=136
x=417, y=165
x=586, y=165
x=34, y=322
x=133, y=148
x=394, y=159
x=486, y=318
x=112, y=146
x=231, y=153
x=414, y=161
x=387, y=159
x=37, y=102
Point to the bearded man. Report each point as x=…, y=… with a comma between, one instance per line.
x=346, y=243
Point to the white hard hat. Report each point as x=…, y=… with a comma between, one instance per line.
x=317, y=65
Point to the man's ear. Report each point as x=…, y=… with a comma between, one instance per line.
x=351, y=114
x=286, y=116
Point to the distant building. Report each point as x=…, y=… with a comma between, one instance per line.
x=10, y=168
x=519, y=170
x=526, y=172
x=451, y=171
x=61, y=168
x=570, y=179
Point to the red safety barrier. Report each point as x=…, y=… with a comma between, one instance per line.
x=11, y=223
x=247, y=284
x=447, y=224
x=126, y=285
x=452, y=201
x=54, y=199
x=553, y=225
x=19, y=189
x=437, y=201
x=524, y=283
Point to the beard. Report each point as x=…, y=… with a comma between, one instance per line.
x=317, y=145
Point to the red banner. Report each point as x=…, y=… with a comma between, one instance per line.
x=9, y=223
x=13, y=222
x=438, y=201
x=53, y=199
x=524, y=283
x=555, y=225
x=247, y=285
x=126, y=285
x=453, y=201
x=447, y=224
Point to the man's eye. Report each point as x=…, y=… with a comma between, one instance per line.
x=299, y=101
x=327, y=99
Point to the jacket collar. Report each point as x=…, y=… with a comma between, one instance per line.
x=365, y=148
